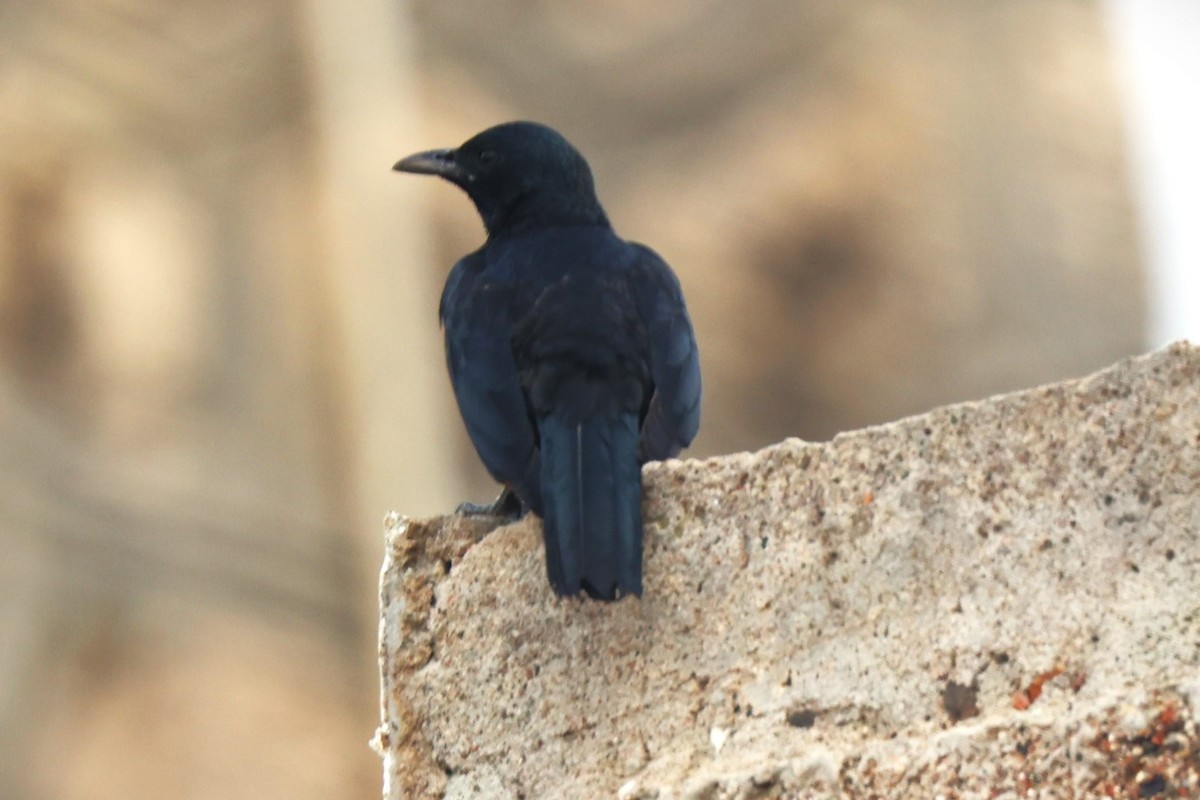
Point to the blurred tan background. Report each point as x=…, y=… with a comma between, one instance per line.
x=219, y=357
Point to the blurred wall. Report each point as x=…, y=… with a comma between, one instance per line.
x=219, y=361
x=188, y=581
x=874, y=207
x=1158, y=68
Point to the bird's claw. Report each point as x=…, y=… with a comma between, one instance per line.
x=507, y=507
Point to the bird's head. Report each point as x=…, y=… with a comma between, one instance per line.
x=519, y=175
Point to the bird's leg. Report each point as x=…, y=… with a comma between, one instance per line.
x=507, y=506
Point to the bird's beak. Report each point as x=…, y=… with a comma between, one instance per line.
x=432, y=162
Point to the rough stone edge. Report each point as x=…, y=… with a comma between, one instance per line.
x=422, y=551
x=425, y=549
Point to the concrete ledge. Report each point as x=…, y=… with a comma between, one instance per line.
x=988, y=600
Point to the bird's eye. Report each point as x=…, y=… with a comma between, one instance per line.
x=488, y=157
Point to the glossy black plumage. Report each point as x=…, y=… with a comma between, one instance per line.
x=570, y=351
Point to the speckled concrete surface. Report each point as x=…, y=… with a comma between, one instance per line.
x=996, y=599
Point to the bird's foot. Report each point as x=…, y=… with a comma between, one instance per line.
x=507, y=507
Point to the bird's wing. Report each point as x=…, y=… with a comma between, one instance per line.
x=673, y=415
x=484, y=375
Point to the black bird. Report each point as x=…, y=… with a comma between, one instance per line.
x=570, y=351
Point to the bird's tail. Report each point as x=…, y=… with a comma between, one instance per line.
x=592, y=491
